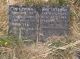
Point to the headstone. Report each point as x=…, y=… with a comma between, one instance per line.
x=50, y=21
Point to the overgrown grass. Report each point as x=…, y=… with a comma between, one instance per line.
x=12, y=48
x=15, y=49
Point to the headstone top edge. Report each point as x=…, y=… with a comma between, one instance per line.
x=37, y=6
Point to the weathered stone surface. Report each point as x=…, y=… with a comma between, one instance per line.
x=51, y=21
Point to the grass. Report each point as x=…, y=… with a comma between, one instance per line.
x=48, y=50
x=55, y=48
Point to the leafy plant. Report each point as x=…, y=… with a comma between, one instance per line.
x=49, y=2
x=62, y=2
x=8, y=41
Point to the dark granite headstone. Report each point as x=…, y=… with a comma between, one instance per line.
x=27, y=21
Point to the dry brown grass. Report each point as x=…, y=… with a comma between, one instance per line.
x=39, y=51
x=44, y=50
x=3, y=17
